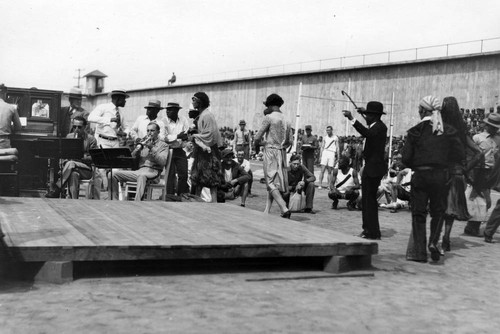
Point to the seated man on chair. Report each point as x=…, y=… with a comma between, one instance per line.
x=152, y=154
x=235, y=177
x=344, y=184
x=302, y=180
x=75, y=170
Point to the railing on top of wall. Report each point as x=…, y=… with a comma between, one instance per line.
x=378, y=58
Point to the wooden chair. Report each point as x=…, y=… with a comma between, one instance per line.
x=130, y=187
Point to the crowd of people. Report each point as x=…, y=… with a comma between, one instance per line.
x=446, y=165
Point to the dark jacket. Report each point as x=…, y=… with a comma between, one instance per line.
x=423, y=148
x=301, y=174
x=65, y=122
x=237, y=172
x=374, y=152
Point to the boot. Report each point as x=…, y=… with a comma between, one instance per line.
x=472, y=228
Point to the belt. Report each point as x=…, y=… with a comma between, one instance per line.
x=246, y=144
x=108, y=138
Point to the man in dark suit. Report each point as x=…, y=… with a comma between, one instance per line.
x=375, y=134
x=70, y=112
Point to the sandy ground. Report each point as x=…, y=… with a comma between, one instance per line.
x=460, y=294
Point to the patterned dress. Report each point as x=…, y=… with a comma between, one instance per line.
x=206, y=170
x=277, y=137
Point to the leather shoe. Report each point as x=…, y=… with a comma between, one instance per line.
x=488, y=239
x=446, y=244
x=435, y=253
x=366, y=236
x=287, y=214
x=309, y=210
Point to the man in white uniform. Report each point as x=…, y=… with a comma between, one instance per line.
x=329, y=155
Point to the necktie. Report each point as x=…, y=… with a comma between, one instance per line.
x=118, y=119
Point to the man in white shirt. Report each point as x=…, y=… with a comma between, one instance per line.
x=176, y=128
x=329, y=155
x=110, y=120
x=242, y=140
x=110, y=126
x=240, y=158
x=139, y=129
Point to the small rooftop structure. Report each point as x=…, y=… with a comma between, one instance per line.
x=95, y=82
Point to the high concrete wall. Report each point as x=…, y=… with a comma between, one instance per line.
x=473, y=80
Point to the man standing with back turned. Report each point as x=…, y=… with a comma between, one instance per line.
x=375, y=166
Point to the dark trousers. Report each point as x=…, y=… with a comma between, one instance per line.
x=493, y=222
x=369, y=187
x=308, y=158
x=309, y=191
x=351, y=196
x=428, y=188
x=178, y=166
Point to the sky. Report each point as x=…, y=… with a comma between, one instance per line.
x=138, y=44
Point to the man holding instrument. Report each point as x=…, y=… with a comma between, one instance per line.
x=375, y=165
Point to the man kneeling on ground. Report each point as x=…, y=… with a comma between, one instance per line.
x=302, y=180
x=344, y=184
x=235, y=179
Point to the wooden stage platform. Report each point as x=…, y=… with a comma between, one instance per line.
x=57, y=232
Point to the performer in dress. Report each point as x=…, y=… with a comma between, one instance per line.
x=206, y=170
x=456, y=207
x=275, y=136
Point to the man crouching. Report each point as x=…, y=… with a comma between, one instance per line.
x=235, y=181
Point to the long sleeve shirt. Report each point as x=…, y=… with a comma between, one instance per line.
x=275, y=130
x=9, y=118
x=140, y=127
x=301, y=174
x=425, y=149
x=155, y=158
x=102, y=115
x=173, y=128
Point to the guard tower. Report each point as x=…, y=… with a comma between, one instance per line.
x=95, y=82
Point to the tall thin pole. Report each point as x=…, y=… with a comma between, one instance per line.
x=297, y=117
x=345, y=108
x=391, y=130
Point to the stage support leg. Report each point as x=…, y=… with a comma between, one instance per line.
x=340, y=264
x=55, y=272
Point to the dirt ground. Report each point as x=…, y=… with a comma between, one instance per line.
x=460, y=294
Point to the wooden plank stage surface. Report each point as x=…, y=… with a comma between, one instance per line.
x=39, y=229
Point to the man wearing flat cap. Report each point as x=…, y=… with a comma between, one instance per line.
x=309, y=146
x=70, y=112
x=242, y=139
x=375, y=134
x=138, y=132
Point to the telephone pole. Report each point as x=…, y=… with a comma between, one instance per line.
x=78, y=77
